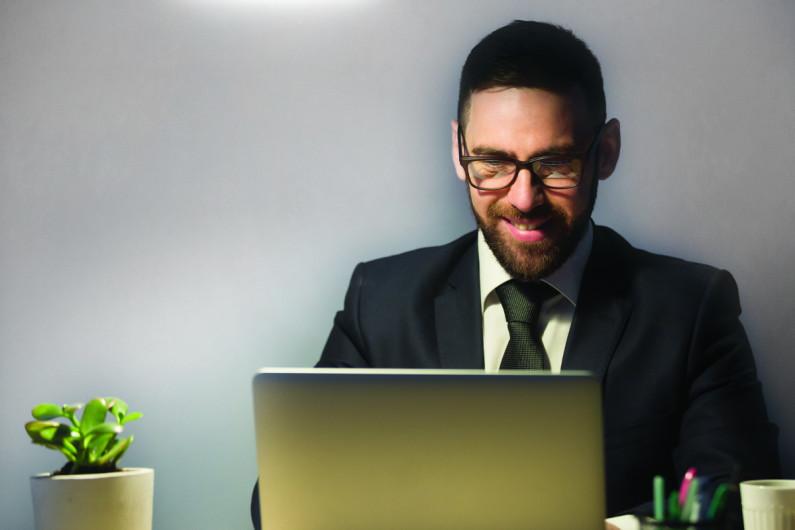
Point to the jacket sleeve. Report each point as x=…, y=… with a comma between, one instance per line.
x=710, y=410
x=345, y=346
x=724, y=426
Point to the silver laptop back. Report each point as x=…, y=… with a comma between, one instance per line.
x=428, y=449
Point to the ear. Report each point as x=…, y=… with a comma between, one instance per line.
x=609, y=148
x=456, y=164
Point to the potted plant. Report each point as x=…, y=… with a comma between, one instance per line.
x=90, y=490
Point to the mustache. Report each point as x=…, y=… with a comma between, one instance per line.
x=505, y=210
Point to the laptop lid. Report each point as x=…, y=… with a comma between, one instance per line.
x=419, y=449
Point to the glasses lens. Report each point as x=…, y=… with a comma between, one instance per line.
x=558, y=173
x=491, y=174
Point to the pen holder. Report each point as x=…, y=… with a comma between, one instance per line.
x=647, y=523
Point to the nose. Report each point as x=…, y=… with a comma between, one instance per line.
x=526, y=192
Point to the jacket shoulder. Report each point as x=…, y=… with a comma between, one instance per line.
x=428, y=262
x=613, y=256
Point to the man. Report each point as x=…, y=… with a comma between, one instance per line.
x=532, y=143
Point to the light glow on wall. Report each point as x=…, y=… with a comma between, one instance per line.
x=280, y=4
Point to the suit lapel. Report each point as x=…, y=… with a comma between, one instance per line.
x=458, y=319
x=602, y=310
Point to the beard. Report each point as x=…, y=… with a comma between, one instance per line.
x=532, y=261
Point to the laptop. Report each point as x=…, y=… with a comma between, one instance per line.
x=380, y=449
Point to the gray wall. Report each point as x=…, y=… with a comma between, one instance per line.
x=186, y=186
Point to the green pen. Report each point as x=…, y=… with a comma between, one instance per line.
x=718, y=501
x=659, y=498
x=689, y=515
x=673, y=507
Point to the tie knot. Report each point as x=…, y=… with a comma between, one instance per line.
x=522, y=301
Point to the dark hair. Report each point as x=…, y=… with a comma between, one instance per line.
x=531, y=54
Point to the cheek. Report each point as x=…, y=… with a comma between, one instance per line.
x=574, y=203
x=583, y=198
x=481, y=201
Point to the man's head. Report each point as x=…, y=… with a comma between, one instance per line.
x=533, y=90
x=530, y=54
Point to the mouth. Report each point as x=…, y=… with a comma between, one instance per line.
x=526, y=229
x=522, y=225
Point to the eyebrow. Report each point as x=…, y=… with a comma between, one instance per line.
x=499, y=153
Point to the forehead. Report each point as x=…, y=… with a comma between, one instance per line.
x=531, y=113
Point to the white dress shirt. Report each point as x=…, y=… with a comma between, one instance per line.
x=556, y=312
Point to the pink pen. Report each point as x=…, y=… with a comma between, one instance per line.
x=686, y=485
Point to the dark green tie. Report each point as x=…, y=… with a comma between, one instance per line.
x=521, y=302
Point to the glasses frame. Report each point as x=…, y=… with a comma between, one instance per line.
x=583, y=156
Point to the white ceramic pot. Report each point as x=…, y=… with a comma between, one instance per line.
x=120, y=500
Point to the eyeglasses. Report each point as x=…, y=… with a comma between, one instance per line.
x=492, y=173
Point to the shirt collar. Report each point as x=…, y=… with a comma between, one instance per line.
x=566, y=279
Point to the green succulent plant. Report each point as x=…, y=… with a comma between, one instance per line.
x=90, y=444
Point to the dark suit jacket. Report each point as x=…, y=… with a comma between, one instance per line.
x=678, y=376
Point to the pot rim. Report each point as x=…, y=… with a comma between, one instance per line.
x=125, y=471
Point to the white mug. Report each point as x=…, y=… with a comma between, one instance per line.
x=768, y=504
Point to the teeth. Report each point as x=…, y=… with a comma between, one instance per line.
x=525, y=226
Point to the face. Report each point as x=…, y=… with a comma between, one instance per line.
x=532, y=230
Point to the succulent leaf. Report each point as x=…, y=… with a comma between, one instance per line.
x=105, y=428
x=50, y=432
x=73, y=408
x=99, y=445
x=47, y=411
x=69, y=449
x=117, y=407
x=69, y=413
x=116, y=451
x=130, y=417
x=93, y=415
x=35, y=427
